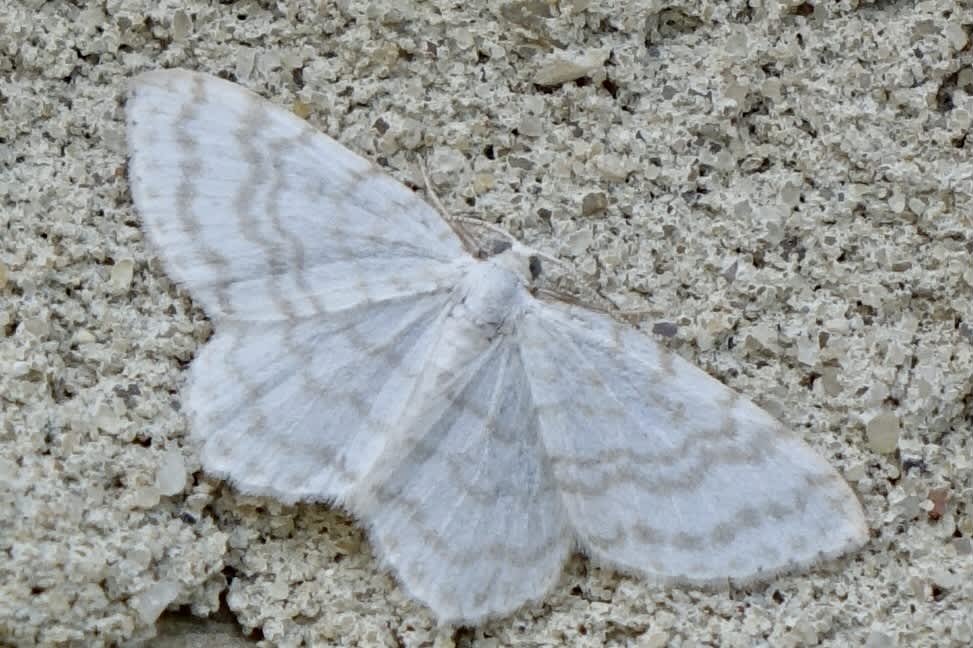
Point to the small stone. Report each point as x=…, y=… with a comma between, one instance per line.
x=151, y=603
x=730, y=272
x=830, y=382
x=564, y=67
x=301, y=108
x=665, y=329
x=917, y=206
x=761, y=337
x=121, y=275
x=594, y=203
x=182, y=25
x=937, y=499
x=84, y=336
x=611, y=167
x=483, y=182
x=963, y=546
x=877, y=639
x=171, y=477
x=446, y=164
x=883, y=432
x=856, y=472
x=9, y=472
x=956, y=35
x=897, y=203
x=19, y=369
x=146, y=497
x=38, y=326
x=653, y=640
x=578, y=241
x=790, y=194
x=945, y=578
x=106, y=419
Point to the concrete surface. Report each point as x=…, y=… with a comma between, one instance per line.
x=785, y=188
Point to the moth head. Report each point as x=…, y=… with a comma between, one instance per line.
x=525, y=262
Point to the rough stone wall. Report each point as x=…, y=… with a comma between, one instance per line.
x=785, y=188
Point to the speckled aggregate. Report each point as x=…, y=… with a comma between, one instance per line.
x=788, y=186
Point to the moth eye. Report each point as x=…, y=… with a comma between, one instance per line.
x=499, y=245
x=534, y=264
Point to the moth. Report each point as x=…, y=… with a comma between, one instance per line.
x=480, y=432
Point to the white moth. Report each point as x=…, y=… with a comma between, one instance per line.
x=363, y=357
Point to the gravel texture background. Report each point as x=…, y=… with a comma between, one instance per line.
x=786, y=188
